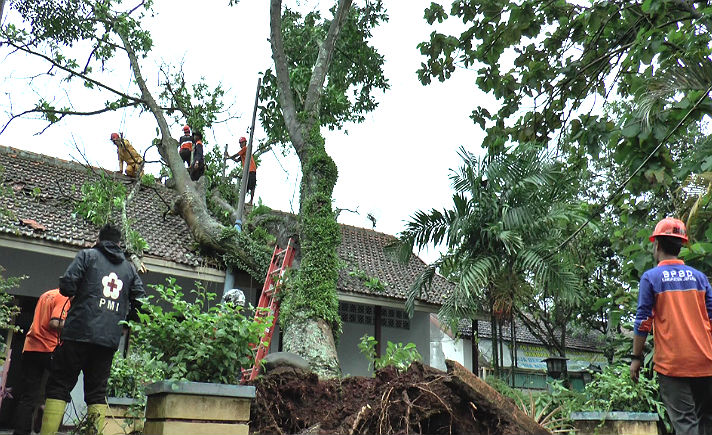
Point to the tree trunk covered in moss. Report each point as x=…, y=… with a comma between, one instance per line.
x=310, y=309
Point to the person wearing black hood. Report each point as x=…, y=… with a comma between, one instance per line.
x=105, y=289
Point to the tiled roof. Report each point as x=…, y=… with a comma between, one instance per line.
x=45, y=188
x=590, y=341
x=362, y=250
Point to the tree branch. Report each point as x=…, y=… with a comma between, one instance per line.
x=168, y=152
x=72, y=72
x=219, y=200
x=63, y=113
x=286, y=99
x=323, y=62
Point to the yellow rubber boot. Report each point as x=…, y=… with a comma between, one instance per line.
x=96, y=414
x=52, y=417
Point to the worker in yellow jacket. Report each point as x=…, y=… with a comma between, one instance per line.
x=127, y=154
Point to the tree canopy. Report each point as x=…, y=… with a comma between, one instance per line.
x=325, y=74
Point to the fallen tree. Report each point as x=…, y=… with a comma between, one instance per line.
x=420, y=400
x=297, y=105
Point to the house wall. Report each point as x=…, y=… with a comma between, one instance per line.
x=418, y=333
x=443, y=345
x=353, y=362
x=359, y=320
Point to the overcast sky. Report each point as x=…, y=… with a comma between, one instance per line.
x=396, y=162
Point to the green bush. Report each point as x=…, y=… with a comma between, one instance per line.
x=398, y=355
x=129, y=376
x=193, y=340
x=8, y=308
x=612, y=390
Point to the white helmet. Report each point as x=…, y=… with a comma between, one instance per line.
x=234, y=296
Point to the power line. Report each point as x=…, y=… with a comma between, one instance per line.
x=615, y=194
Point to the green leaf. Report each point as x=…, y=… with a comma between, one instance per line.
x=631, y=130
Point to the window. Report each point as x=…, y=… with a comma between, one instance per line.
x=394, y=318
x=356, y=313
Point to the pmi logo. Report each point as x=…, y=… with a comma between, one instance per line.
x=112, y=288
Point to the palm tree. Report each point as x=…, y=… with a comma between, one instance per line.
x=500, y=236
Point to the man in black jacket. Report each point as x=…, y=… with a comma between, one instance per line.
x=197, y=168
x=105, y=289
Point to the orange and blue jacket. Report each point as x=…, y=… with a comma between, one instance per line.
x=675, y=302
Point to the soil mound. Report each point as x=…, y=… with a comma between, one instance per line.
x=422, y=400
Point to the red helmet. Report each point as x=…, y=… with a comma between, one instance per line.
x=242, y=139
x=186, y=129
x=114, y=136
x=670, y=227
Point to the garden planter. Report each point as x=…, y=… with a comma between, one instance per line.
x=119, y=418
x=177, y=408
x=615, y=423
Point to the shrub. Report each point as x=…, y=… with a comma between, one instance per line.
x=398, y=355
x=193, y=341
x=129, y=376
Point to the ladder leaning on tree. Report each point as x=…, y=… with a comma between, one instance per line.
x=269, y=304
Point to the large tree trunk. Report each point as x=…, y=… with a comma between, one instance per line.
x=310, y=309
x=312, y=305
x=191, y=205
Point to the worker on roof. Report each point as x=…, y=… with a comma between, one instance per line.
x=186, y=145
x=197, y=167
x=252, y=175
x=127, y=154
x=675, y=302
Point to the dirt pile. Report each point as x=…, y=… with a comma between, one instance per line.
x=422, y=400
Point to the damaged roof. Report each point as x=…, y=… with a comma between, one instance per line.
x=45, y=188
x=41, y=205
x=363, y=251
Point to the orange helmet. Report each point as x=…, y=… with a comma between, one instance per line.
x=670, y=227
x=186, y=129
x=114, y=136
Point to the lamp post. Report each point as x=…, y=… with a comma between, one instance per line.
x=556, y=366
x=588, y=372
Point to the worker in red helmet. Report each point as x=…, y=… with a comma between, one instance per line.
x=127, y=154
x=252, y=174
x=675, y=302
x=186, y=145
x=197, y=167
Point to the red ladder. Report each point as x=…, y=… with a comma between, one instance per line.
x=269, y=304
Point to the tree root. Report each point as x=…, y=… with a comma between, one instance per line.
x=359, y=418
x=411, y=413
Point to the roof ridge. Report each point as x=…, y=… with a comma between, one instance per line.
x=370, y=230
x=45, y=158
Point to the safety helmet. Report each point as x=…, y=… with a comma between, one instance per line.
x=234, y=296
x=670, y=227
x=242, y=139
x=186, y=129
x=114, y=136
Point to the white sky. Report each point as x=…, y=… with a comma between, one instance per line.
x=396, y=162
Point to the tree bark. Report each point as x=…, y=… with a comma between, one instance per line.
x=310, y=309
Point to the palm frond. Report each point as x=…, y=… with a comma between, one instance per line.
x=550, y=272
x=422, y=284
x=685, y=76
